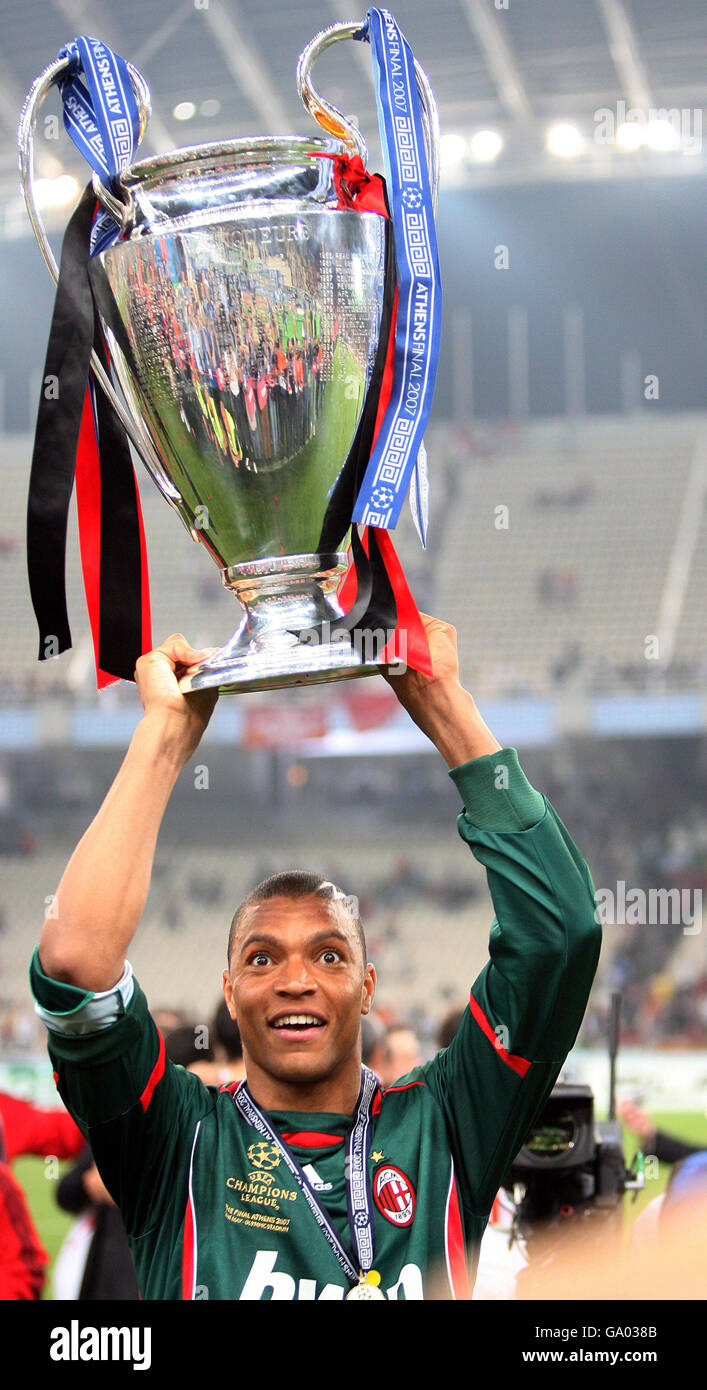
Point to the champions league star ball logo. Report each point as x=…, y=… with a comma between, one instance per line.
x=383, y=497
x=263, y=1155
x=412, y=198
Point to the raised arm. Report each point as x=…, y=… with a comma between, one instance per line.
x=440, y=705
x=102, y=893
x=526, y=1006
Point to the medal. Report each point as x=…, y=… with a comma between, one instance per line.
x=358, y=1194
x=367, y=1286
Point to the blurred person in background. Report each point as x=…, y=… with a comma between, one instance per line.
x=685, y=1195
x=448, y=1026
x=223, y=1063
x=167, y=1019
x=402, y=1053
x=665, y=1147
x=23, y=1259
x=373, y=1044
x=27, y=1129
x=189, y=1045
x=94, y=1263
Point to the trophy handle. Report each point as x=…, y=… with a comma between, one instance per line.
x=332, y=120
x=25, y=141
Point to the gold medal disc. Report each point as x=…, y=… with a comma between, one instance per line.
x=365, y=1290
x=367, y=1286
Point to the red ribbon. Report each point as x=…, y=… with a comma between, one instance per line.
x=88, y=502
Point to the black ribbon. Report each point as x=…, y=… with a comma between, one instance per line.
x=57, y=432
x=74, y=332
x=120, y=632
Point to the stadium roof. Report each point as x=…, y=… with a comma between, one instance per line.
x=509, y=66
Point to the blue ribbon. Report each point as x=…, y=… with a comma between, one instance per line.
x=101, y=115
x=394, y=457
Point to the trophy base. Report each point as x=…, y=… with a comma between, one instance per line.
x=282, y=639
x=273, y=669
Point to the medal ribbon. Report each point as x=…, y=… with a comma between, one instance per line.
x=419, y=316
x=358, y=1188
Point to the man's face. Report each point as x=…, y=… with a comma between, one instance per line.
x=297, y=988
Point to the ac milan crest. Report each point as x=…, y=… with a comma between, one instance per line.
x=394, y=1195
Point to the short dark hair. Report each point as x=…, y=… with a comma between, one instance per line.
x=296, y=883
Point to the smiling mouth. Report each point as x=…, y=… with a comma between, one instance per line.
x=297, y=1023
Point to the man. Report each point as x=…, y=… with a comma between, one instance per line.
x=307, y=1181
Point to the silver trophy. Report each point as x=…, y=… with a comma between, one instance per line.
x=242, y=313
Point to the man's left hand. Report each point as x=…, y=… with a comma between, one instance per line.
x=439, y=704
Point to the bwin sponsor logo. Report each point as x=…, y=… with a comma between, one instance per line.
x=76, y=1343
x=263, y=1276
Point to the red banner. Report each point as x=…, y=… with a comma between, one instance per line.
x=283, y=726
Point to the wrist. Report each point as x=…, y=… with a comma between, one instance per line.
x=170, y=735
x=451, y=719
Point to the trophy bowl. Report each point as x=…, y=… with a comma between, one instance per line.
x=241, y=315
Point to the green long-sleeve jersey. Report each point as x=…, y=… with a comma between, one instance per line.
x=211, y=1210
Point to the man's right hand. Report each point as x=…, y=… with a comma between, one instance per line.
x=157, y=675
x=103, y=890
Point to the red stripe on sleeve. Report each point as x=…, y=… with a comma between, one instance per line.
x=518, y=1064
x=188, y=1254
x=155, y=1075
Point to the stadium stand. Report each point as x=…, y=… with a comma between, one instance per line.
x=592, y=513
x=566, y=587
x=179, y=952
